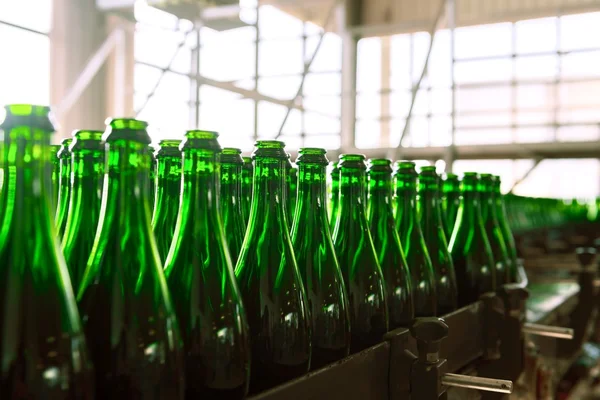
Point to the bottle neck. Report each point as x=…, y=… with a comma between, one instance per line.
x=268, y=199
x=65, y=179
x=312, y=191
x=406, y=194
x=87, y=171
x=352, y=188
x=429, y=206
x=470, y=204
x=168, y=181
x=380, y=192
x=27, y=203
x=200, y=183
x=231, y=183
x=128, y=168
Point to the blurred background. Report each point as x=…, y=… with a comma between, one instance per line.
x=510, y=87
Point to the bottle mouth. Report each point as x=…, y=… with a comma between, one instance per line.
x=405, y=169
x=312, y=155
x=199, y=139
x=231, y=150
x=89, y=140
x=64, y=151
x=231, y=156
x=471, y=175
x=36, y=116
x=380, y=165
x=129, y=129
x=87, y=135
x=168, y=148
x=271, y=149
x=449, y=176
x=352, y=161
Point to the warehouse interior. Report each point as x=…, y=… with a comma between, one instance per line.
x=509, y=87
x=505, y=87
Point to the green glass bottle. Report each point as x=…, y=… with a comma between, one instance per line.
x=54, y=168
x=507, y=234
x=319, y=268
x=493, y=230
x=168, y=189
x=358, y=259
x=247, y=176
x=292, y=189
x=450, y=203
x=152, y=177
x=430, y=219
x=200, y=277
x=470, y=248
x=411, y=237
x=42, y=349
x=269, y=279
x=334, y=198
x=231, y=200
x=387, y=244
x=88, y=160
x=64, y=191
x=123, y=298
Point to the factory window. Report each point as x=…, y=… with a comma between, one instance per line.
x=26, y=81
x=529, y=81
x=236, y=88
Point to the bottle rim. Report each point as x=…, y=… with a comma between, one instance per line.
x=65, y=145
x=231, y=150
x=36, y=116
x=312, y=155
x=200, y=140
x=128, y=129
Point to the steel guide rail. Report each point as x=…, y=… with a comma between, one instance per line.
x=472, y=338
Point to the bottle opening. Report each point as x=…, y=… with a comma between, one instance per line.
x=270, y=144
x=451, y=177
x=380, y=165
x=470, y=175
x=169, y=143
x=232, y=150
x=64, y=151
x=352, y=157
x=87, y=135
x=231, y=155
x=27, y=109
x=380, y=161
x=126, y=123
x=312, y=155
x=200, y=134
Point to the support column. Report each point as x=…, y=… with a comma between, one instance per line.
x=78, y=32
x=386, y=93
x=349, y=50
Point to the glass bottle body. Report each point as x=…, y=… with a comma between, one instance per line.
x=269, y=279
x=358, y=259
x=493, y=231
x=64, y=191
x=86, y=198
x=200, y=277
x=411, y=237
x=43, y=350
x=231, y=200
x=168, y=189
x=318, y=265
x=450, y=203
x=430, y=219
x=124, y=301
x=470, y=248
x=387, y=244
x=507, y=234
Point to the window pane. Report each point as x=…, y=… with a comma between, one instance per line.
x=26, y=81
x=579, y=31
x=478, y=99
x=223, y=59
x=369, y=65
x=280, y=57
x=217, y=108
x=483, y=40
x=330, y=105
x=277, y=24
x=330, y=142
x=578, y=65
x=529, y=33
x=483, y=71
x=284, y=88
x=564, y=178
x=316, y=124
x=534, y=135
x=368, y=134
x=34, y=14
x=400, y=57
x=486, y=136
x=329, y=57
x=536, y=68
x=578, y=133
x=323, y=84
